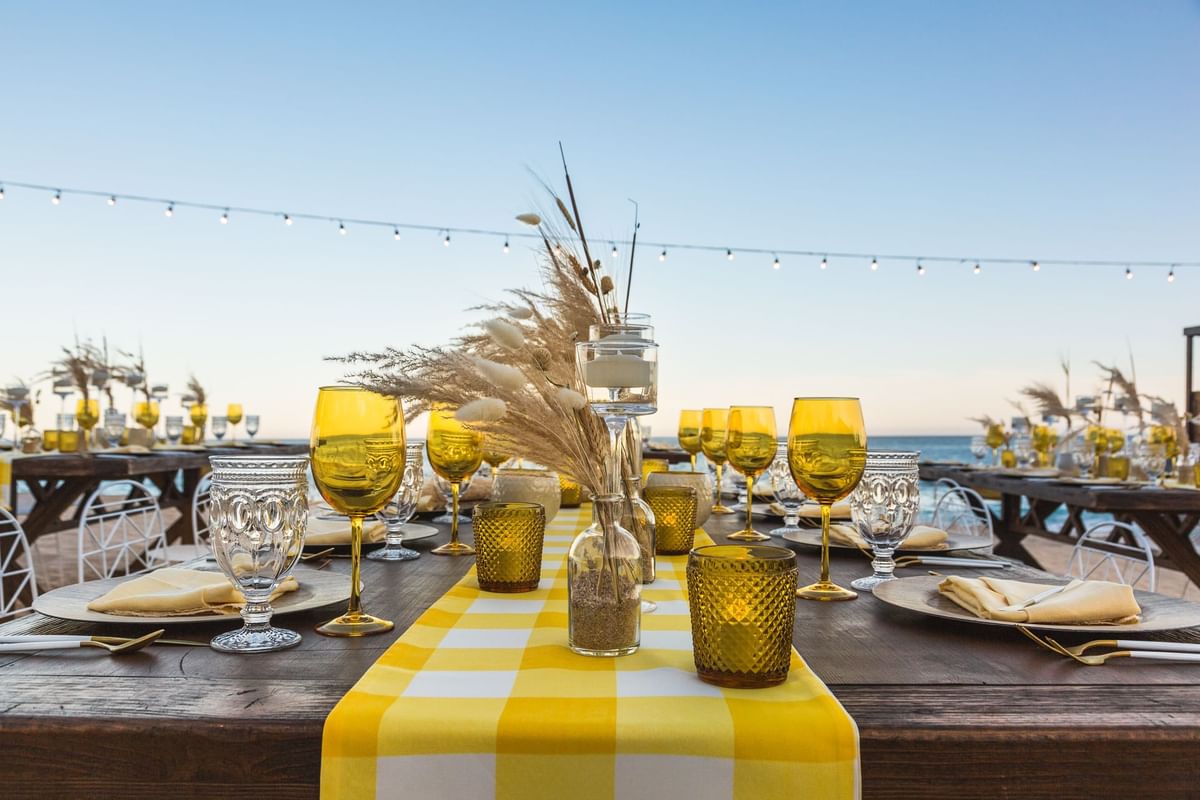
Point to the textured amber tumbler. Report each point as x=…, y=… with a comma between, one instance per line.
x=572, y=492
x=674, y=510
x=508, y=546
x=743, y=605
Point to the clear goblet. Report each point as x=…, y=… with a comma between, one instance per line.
x=1084, y=453
x=979, y=449
x=884, y=507
x=787, y=493
x=400, y=510
x=219, y=427
x=1152, y=458
x=252, y=425
x=258, y=516
x=114, y=427
x=174, y=427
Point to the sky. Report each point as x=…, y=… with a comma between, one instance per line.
x=1030, y=130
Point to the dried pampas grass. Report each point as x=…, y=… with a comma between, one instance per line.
x=485, y=409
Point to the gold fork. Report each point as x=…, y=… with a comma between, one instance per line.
x=1131, y=644
x=1095, y=661
x=130, y=646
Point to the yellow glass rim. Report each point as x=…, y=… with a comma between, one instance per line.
x=500, y=505
x=824, y=398
x=669, y=491
x=731, y=408
x=342, y=387
x=780, y=556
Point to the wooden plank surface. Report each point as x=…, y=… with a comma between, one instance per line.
x=944, y=709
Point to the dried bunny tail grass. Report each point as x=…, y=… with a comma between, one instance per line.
x=519, y=312
x=569, y=398
x=562, y=207
x=502, y=376
x=532, y=220
x=485, y=409
x=504, y=333
x=606, y=284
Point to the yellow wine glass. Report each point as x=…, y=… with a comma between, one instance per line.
x=146, y=414
x=827, y=453
x=712, y=443
x=995, y=440
x=455, y=452
x=199, y=416
x=87, y=414
x=750, y=446
x=358, y=455
x=234, y=414
x=689, y=432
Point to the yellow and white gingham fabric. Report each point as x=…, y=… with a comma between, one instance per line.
x=481, y=698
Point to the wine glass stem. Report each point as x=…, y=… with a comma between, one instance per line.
x=356, y=533
x=749, y=500
x=454, y=512
x=717, y=502
x=616, y=426
x=693, y=457
x=826, y=510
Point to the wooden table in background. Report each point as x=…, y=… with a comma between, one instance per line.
x=1168, y=516
x=60, y=482
x=944, y=709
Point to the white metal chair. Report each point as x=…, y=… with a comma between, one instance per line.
x=941, y=486
x=963, y=511
x=1114, y=551
x=120, y=535
x=201, y=524
x=18, y=588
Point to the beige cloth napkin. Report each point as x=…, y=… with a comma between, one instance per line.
x=325, y=532
x=1089, y=603
x=921, y=537
x=838, y=511
x=174, y=592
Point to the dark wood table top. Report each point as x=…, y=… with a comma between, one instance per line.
x=99, y=464
x=1093, y=497
x=944, y=709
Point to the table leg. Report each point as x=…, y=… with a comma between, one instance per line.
x=1172, y=535
x=1007, y=530
x=182, y=530
x=55, y=499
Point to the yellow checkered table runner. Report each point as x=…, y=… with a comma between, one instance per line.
x=482, y=698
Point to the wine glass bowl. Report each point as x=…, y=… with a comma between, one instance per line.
x=713, y=423
x=750, y=447
x=146, y=414
x=827, y=453
x=174, y=429
x=689, y=433
x=786, y=492
x=400, y=510
x=358, y=457
x=455, y=451
x=252, y=425
x=114, y=427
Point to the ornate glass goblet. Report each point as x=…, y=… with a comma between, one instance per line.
x=114, y=427
x=258, y=516
x=787, y=493
x=884, y=507
x=399, y=511
x=174, y=429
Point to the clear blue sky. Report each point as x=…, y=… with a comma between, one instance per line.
x=1025, y=129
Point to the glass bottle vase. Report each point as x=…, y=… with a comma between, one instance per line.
x=604, y=575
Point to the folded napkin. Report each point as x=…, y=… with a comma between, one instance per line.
x=812, y=511
x=921, y=537
x=325, y=532
x=124, y=449
x=1089, y=603
x=171, y=592
x=431, y=499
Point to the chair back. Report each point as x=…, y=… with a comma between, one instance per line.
x=18, y=588
x=1114, y=551
x=201, y=524
x=963, y=511
x=120, y=535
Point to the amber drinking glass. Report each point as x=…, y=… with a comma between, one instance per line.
x=357, y=446
x=199, y=416
x=750, y=446
x=508, y=546
x=689, y=433
x=827, y=453
x=87, y=414
x=146, y=414
x=674, y=510
x=455, y=452
x=743, y=605
x=712, y=442
x=50, y=441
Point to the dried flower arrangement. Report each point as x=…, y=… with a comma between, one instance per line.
x=196, y=391
x=86, y=364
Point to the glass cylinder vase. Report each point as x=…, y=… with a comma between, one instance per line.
x=604, y=576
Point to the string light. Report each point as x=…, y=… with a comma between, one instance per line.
x=396, y=234
x=1171, y=276
x=446, y=241
x=56, y=193
x=874, y=264
x=776, y=264
x=920, y=268
x=662, y=256
x=505, y=248
x=225, y=217
x=170, y=212
x=1128, y=274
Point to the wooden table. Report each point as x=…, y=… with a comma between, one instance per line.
x=60, y=481
x=945, y=709
x=1168, y=516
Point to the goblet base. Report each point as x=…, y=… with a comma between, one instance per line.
x=392, y=554
x=784, y=530
x=448, y=518
x=453, y=549
x=255, y=640
x=748, y=535
x=869, y=583
x=355, y=623
x=718, y=508
x=825, y=590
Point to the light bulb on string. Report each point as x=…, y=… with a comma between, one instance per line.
x=1036, y=266
x=776, y=264
x=824, y=263
x=1128, y=274
x=57, y=198
x=287, y=220
x=1, y=192
x=112, y=199
x=446, y=241
x=920, y=268
x=978, y=269
x=505, y=248
x=874, y=264
x=729, y=255
x=1171, y=276
x=614, y=251
x=342, y=229
x=225, y=217
x=396, y=234
x=170, y=210
x=662, y=256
